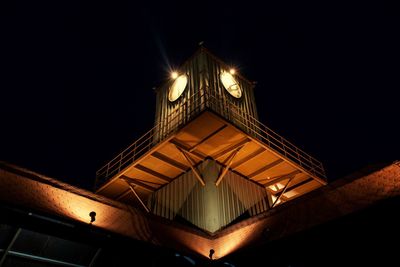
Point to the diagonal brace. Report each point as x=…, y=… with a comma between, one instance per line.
x=137, y=196
x=228, y=165
x=191, y=163
x=283, y=192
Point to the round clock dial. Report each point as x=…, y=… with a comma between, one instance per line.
x=230, y=84
x=177, y=88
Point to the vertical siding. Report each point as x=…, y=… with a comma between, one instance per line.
x=209, y=207
x=245, y=106
x=203, y=71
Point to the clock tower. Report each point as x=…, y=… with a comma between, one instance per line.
x=204, y=81
x=208, y=162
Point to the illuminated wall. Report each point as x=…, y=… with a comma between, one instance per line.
x=209, y=207
x=204, y=89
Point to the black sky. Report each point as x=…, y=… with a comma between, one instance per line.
x=76, y=78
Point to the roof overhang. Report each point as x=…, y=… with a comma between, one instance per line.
x=211, y=136
x=35, y=192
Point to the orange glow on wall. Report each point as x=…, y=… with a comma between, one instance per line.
x=48, y=196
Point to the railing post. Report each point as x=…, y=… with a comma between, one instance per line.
x=194, y=105
x=96, y=181
x=283, y=146
x=298, y=156
x=108, y=168
x=134, y=151
x=311, y=164
x=119, y=164
x=322, y=168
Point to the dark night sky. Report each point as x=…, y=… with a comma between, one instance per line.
x=76, y=80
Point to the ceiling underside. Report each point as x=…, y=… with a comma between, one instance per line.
x=210, y=136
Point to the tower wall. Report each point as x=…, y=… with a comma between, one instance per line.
x=204, y=90
x=209, y=207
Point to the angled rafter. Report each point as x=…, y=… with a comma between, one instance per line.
x=181, y=146
x=153, y=173
x=266, y=167
x=228, y=165
x=231, y=148
x=292, y=187
x=281, y=194
x=279, y=178
x=248, y=157
x=169, y=161
x=208, y=137
x=283, y=198
x=191, y=164
x=124, y=194
x=137, y=183
x=137, y=196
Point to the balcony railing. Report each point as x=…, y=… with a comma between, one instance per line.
x=194, y=105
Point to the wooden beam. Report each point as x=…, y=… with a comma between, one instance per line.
x=276, y=187
x=248, y=157
x=294, y=186
x=226, y=168
x=153, y=173
x=208, y=137
x=137, y=183
x=287, y=160
x=124, y=194
x=170, y=161
x=185, y=148
x=283, y=192
x=279, y=178
x=301, y=193
x=283, y=198
x=231, y=148
x=137, y=196
x=266, y=167
x=191, y=164
x=164, y=143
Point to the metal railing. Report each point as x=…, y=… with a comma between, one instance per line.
x=194, y=105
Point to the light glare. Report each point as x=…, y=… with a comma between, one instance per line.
x=232, y=71
x=174, y=75
x=230, y=84
x=177, y=87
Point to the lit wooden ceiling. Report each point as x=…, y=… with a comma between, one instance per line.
x=210, y=136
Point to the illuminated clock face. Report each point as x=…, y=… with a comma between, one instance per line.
x=230, y=84
x=177, y=88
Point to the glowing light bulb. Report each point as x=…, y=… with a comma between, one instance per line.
x=232, y=71
x=174, y=75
